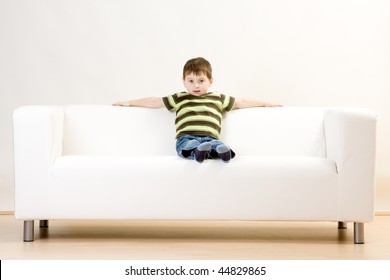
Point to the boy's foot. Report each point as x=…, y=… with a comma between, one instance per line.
x=224, y=153
x=201, y=151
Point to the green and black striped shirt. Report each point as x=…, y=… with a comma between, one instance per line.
x=199, y=115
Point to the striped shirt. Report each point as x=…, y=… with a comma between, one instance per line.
x=199, y=115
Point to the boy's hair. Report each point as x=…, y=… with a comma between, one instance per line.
x=197, y=66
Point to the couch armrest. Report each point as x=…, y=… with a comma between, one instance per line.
x=351, y=142
x=37, y=143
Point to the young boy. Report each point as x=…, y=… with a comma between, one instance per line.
x=198, y=113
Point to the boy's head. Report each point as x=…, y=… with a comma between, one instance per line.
x=198, y=66
x=197, y=76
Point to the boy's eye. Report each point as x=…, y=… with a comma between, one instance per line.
x=191, y=81
x=201, y=81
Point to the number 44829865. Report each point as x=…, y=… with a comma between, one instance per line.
x=232, y=270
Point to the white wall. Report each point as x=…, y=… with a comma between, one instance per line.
x=302, y=52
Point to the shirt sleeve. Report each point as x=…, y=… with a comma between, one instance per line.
x=169, y=102
x=227, y=102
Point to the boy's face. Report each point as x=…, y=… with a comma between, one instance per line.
x=197, y=84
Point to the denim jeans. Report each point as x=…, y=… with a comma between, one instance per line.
x=187, y=143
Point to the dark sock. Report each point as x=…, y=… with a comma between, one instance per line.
x=224, y=153
x=201, y=151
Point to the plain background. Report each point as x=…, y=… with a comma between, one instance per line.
x=296, y=53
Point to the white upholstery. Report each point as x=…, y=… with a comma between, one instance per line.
x=104, y=162
x=167, y=187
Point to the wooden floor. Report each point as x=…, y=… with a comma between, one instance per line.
x=167, y=240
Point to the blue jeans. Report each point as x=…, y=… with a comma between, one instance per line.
x=187, y=143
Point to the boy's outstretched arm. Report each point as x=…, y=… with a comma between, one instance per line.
x=242, y=103
x=148, y=102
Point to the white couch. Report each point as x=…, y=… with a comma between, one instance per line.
x=104, y=162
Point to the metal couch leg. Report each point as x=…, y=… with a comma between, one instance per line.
x=28, y=231
x=358, y=233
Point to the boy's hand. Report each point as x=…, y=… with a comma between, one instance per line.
x=122, y=103
x=273, y=105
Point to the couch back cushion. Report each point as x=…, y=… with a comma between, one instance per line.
x=108, y=130
x=295, y=131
